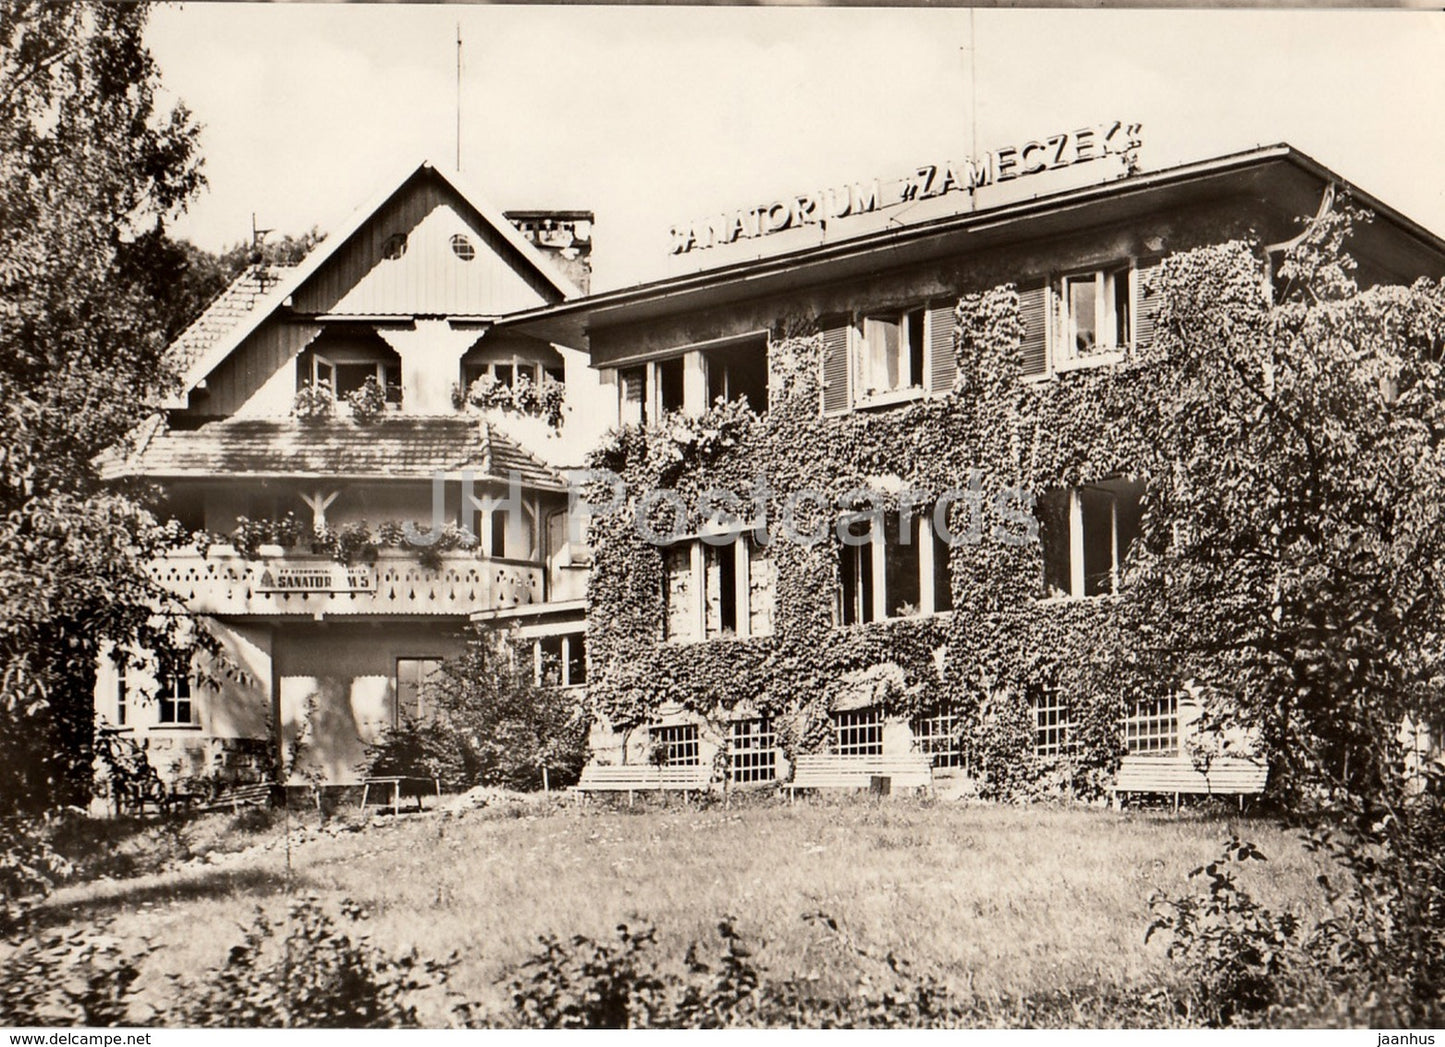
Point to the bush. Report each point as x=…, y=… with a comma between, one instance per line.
x=317, y=976
x=29, y=868
x=1237, y=955
x=367, y=403
x=84, y=977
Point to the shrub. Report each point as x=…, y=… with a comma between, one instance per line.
x=318, y=975
x=29, y=868
x=1238, y=955
x=83, y=977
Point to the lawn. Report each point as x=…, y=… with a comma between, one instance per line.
x=997, y=901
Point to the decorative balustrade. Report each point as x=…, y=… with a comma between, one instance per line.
x=223, y=582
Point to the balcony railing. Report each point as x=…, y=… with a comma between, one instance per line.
x=223, y=582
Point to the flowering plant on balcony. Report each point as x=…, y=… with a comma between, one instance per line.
x=367, y=403
x=314, y=401
x=349, y=544
x=543, y=400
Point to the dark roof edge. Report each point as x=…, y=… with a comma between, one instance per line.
x=756, y=267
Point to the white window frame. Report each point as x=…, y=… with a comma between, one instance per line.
x=936, y=735
x=858, y=354
x=921, y=525
x=1078, y=582
x=752, y=751
x=1064, y=354
x=332, y=362
x=567, y=642
x=1053, y=722
x=683, y=741
x=168, y=681
x=857, y=732
x=1152, y=727
x=122, y=692
x=741, y=544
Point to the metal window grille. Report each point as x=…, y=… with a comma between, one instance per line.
x=681, y=742
x=754, y=753
x=858, y=733
x=938, y=735
x=1053, y=728
x=1153, y=727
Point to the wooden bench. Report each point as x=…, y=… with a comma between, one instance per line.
x=643, y=777
x=1177, y=775
x=234, y=797
x=831, y=771
x=399, y=785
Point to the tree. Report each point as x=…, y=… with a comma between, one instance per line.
x=87, y=162
x=491, y=723
x=1291, y=563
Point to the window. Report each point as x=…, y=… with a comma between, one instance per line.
x=1153, y=726
x=411, y=675
x=122, y=692
x=738, y=372
x=679, y=744
x=753, y=754
x=648, y=391
x=174, y=696
x=507, y=371
x=346, y=372
x=887, y=576
x=563, y=661
x=1096, y=314
x=858, y=732
x=507, y=534
x=712, y=590
x=939, y=735
x=1086, y=533
x=462, y=248
x=632, y=396
x=1053, y=730
x=890, y=356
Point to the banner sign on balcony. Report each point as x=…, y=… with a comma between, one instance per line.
x=1065, y=149
x=323, y=578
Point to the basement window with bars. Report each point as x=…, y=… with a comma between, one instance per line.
x=938, y=735
x=679, y=743
x=753, y=753
x=858, y=732
x=1053, y=730
x=1153, y=726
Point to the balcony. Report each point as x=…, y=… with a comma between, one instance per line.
x=225, y=583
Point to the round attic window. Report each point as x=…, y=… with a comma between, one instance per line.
x=462, y=248
x=394, y=246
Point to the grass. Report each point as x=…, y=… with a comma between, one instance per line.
x=998, y=901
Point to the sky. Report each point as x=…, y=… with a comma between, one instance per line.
x=650, y=116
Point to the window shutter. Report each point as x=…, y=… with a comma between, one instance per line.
x=1148, y=304
x=836, y=394
x=943, y=364
x=1033, y=311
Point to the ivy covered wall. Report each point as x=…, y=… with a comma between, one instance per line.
x=1001, y=638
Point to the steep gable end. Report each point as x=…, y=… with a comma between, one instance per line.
x=426, y=251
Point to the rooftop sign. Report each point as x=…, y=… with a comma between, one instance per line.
x=1036, y=156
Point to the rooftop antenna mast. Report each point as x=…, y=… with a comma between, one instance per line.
x=459, y=95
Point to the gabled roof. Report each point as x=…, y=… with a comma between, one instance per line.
x=206, y=360
x=400, y=448
x=253, y=290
